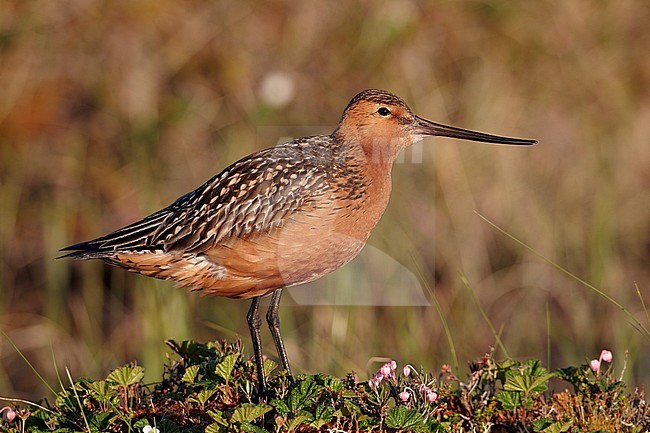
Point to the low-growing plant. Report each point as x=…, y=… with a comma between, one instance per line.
x=211, y=388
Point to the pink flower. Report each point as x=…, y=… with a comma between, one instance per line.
x=9, y=413
x=385, y=370
x=404, y=395
x=376, y=380
x=606, y=355
x=406, y=370
x=431, y=396
x=393, y=365
x=594, y=365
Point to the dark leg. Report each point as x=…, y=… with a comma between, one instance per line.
x=274, y=325
x=254, y=325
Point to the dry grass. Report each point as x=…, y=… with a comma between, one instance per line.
x=110, y=110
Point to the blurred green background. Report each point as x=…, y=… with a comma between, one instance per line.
x=111, y=110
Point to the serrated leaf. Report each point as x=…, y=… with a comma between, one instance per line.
x=126, y=376
x=302, y=395
x=510, y=400
x=527, y=380
x=225, y=367
x=190, y=374
x=331, y=382
x=516, y=383
x=402, y=418
x=323, y=413
x=541, y=423
x=540, y=383
x=280, y=407
x=247, y=412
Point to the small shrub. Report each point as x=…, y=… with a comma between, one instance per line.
x=211, y=388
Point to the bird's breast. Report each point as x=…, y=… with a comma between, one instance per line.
x=313, y=241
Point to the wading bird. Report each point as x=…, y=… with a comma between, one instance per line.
x=279, y=217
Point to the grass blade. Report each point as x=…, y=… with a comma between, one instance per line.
x=497, y=336
x=548, y=336
x=81, y=408
x=635, y=322
x=22, y=355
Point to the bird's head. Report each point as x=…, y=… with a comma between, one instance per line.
x=383, y=125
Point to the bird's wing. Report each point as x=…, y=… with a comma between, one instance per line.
x=255, y=194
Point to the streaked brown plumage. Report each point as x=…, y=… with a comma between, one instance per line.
x=281, y=216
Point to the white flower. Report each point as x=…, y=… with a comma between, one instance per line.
x=149, y=429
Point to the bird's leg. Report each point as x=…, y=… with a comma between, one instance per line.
x=273, y=319
x=254, y=325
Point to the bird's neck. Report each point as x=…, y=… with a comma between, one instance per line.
x=377, y=151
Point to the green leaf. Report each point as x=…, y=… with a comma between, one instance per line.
x=526, y=377
x=352, y=406
x=218, y=417
x=202, y=397
x=190, y=374
x=248, y=427
x=540, y=383
x=126, y=376
x=434, y=427
x=247, y=412
x=302, y=395
x=518, y=383
x=510, y=400
x=225, y=367
x=269, y=366
x=140, y=424
x=167, y=426
x=330, y=382
x=403, y=418
x=100, y=390
x=541, y=423
x=99, y=421
x=322, y=415
x=280, y=407
x=296, y=422
x=559, y=427
x=215, y=428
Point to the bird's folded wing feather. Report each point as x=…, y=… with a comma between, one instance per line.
x=254, y=195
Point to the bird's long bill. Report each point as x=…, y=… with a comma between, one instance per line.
x=427, y=127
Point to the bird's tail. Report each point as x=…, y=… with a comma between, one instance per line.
x=136, y=237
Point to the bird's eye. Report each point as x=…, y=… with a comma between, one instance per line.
x=383, y=111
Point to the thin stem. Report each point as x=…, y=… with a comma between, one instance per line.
x=636, y=323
